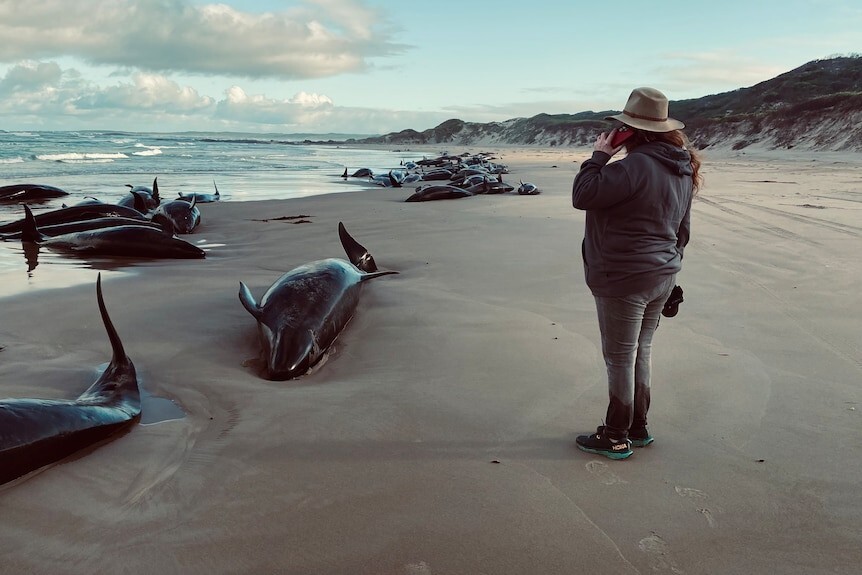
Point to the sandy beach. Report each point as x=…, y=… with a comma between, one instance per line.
x=438, y=438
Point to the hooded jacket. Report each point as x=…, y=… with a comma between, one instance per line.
x=638, y=214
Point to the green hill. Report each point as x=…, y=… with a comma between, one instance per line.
x=817, y=106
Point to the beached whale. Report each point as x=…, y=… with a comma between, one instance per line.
x=528, y=189
x=137, y=241
x=180, y=216
x=83, y=225
x=36, y=432
x=150, y=197
x=498, y=186
x=469, y=181
x=389, y=180
x=74, y=214
x=199, y=197
x=306, y=309
x=438, y=192
x=360, y=173
x=87, y=201
x=439, y=174
x=29, y=193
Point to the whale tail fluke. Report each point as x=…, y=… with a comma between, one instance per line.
x=29, y=231
x=217, y=196
x=156, y=196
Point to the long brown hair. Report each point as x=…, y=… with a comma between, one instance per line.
x=675, y=138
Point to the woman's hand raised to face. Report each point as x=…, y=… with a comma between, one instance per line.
x=603, y=143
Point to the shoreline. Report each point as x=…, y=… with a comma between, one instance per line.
x=439, y=435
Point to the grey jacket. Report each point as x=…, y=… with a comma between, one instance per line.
x=638, y=217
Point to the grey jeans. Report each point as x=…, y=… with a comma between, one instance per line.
x=627, y=325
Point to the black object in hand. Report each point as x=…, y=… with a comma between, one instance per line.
x=671, y=306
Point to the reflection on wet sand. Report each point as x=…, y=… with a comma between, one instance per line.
x=156, y=409
x=54, y=270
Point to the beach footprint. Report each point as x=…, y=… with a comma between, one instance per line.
x=421, y=568
x=661, y=560
x=603, y=473
x=699, y=498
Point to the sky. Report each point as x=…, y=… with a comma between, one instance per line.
x=378, y=66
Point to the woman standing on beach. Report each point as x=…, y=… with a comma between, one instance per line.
x=638, y=211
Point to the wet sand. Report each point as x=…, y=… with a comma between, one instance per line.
x=438, y=438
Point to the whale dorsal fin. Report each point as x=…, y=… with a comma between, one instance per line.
x=116, y=344
x=356, y=253
x=156, y=190
x=29, y=231
x=248, y=301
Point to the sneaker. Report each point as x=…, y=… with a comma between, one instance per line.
x=601, y=444
x=640, y=437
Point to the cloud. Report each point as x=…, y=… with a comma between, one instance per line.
x=302, y=109
x=316, y=39
x=145, y=92
x=44, y=94
x=703, y=73
x=30, y=76
x=37, y=95
x=313, y=113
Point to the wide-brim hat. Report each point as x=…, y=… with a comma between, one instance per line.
x=646, y=109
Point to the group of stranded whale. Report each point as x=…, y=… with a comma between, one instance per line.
x=140, y=224
x=465, y=176
x=299, y=316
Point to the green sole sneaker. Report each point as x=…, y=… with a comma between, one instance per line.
x=642, y=442
x=607, y=453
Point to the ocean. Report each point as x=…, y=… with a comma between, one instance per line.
x=245, y=167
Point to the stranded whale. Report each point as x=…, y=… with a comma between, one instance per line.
x=137, y=241
x=303, y=312
x=36, y=432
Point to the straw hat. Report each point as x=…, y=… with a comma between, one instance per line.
x=647, y=110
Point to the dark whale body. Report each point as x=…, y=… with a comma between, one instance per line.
x=83, y=225
x=199, y=197
x=438, y=192
x=29, y=193
x=36, y=432
x=137, y=241
x=304, y=311
x=74, y=214
x=528, y=189
x=181, y=216
x=149, y=196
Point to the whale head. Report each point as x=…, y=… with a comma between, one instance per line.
x=289, y=353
